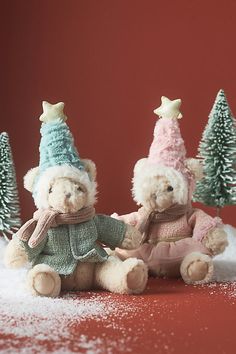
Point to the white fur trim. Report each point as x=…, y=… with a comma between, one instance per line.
x=90, y=168
x=29, y=178
x=139, y=165
x=144, y=173
x=51, y=174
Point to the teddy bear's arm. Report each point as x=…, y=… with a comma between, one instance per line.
x=32, y=253
x=18, y=253
x=201, y=223
x=111, y=232
x=209, y=231
x=15, y=255
x=131, y=219
x=115, y=233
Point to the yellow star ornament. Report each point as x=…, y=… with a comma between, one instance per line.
x=52, y=112
x=168, y=108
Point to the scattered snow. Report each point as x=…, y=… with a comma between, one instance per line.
x=38, y=322
x=43, y=325
x=225, y=263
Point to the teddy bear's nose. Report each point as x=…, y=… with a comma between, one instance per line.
x=68, y=195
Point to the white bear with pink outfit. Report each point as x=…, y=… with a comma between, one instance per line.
x=178, y=239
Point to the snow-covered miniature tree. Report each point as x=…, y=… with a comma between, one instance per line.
x=9, y=200
x=217, y=150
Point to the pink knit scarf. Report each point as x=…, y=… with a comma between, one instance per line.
x=35, y=230
x=171, y=214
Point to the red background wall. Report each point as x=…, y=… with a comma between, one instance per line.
x=110, y=61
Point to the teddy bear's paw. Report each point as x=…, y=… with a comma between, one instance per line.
x=216, y=240
x=42, y=280
x=196, y=268
x=132, y=238
x=115, y=216
x=123, y=254
x=15, y=256
x=136, y=276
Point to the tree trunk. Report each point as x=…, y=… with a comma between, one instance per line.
x=218, y=211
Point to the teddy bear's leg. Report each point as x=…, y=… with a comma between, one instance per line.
x=81, y=279
x=84, y=276
x=128, y=277
x=68, y=282
x=42, y=280
x=197, y=268
x=164, y=259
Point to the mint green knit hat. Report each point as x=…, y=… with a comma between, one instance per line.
x=57, y=143
x=57, y=149
x=57, y=146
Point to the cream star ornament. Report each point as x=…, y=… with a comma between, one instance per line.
x=52, y=112
x=168, y=108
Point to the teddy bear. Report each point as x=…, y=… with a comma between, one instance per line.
x=64, y=239
x=178, y=240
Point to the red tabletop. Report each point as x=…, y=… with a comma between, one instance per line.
x=170, y=317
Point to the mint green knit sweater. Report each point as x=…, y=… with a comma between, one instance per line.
x=66, y=245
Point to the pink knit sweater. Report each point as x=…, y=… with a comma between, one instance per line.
x=167, y=243
x=194, y=224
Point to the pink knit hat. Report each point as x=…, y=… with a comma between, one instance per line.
x=167, y=148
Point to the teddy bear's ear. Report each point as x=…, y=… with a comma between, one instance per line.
x=139, y=165
x=196, y=167
x=29, y=178
x=90, y=168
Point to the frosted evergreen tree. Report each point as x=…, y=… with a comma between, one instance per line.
x=9, y=201
x=217, y=149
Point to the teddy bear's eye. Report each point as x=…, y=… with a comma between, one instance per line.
x=80, y=189
x=50, y=190
x=170, y=189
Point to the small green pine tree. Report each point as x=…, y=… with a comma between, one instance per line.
x=9, y=201
x=217, y=149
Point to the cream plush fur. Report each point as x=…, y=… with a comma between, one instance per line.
x=70, y=173
x=149, y=180
x=67, y=189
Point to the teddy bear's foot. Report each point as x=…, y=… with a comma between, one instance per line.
x=42, y=280
x=196, y=268
x=137, y=275
x=128, y=277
